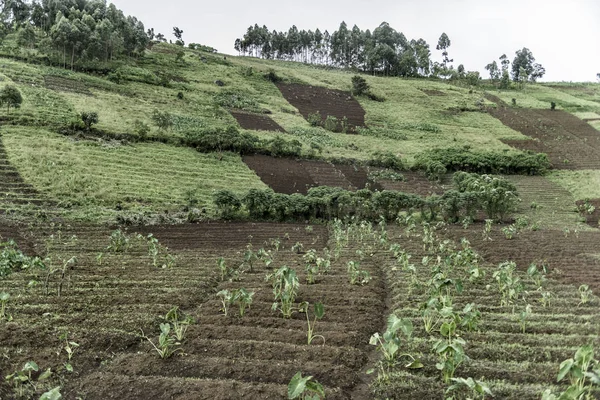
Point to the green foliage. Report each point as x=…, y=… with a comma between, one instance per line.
x=141, y=128
x=386, y=159
x=390, y=344
x=305, y=388
x=13, y=260
x=319, y=312
x=331, y=123
x=240, y=297
x=470, y=387
x=4, y=298
x=285, y=289
x=119, y=242
x=167, y=341
x=583, y=372
x=10, y=96
x=359, y=86
x=495, y=195
x=386, y=174
x=357, y=275
x=227, y=203
x=510, y=285
x=53, y=394
x=162, y=120
x=315, y=119
x=89, y=118
x=484, y=162
x=238, y=100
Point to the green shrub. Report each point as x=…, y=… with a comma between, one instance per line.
x=331, y=123
x=89, y=118
x=359, y=86
x=227, y=203
x=314, y=119
x=495, y=195
x=386, y=159
x=484, y=162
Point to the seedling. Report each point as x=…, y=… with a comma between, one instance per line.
x=119, y=242
x=537, y=275
x=310, y=266
x=53, y=394
x=509, y=284
x=4, y=297
x=275, y=243
x=524, y=316
x=285, y=288
x=243, y=299
x=586, y=294
x=318, y=311
x=487, y=229
x=99, y=258
x=226, y=300
x=167, y=343
x=69, y=347
x=62, y=269
x=389, y=345
x=305, y=388
x=357, y=276
x=577, y=369
x=478, y=389
x=509, y=231
x=546, y=298
x=179, y=322
x=450, y=351
x=250, y=257
x=297, y=248
x=20, y=378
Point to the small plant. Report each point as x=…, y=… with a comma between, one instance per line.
x=537, y=275
x=586, y=294
x=249, y=257
x=285, y=289
x=449, y=350
x=314, y=119
x=310, y=266
x=225, y=271
x=53, y=394
x=89, y=118
x=546, y=298
x=167, y=343
x=305, y=388
x=509, y=285
x=583, y=371
x=20, y=379
x=119, y=242
x=179, y=322
x=331, y=123
x=69, y=348
x=509, y=231
x=487, y=229
x=4, y=298
x=390, y=343
x=357, y=276
x=298, y=248
x=524, y=316
x=477, y=389
x=142, y=129
x=318, y=311
x=226, y=300
x=243, y=299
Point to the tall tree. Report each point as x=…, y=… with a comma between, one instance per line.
x=524, y=63
x=492, y=68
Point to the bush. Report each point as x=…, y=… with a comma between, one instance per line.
x=89, y=118
x=386, y=159
x=314, y=119
x=162, y=120
x=359, y=86
x=10, y=96
x=141, y=128
x=495, y=195
x=331, y=123
x=258, y=203
x=272, y=76
x=227, y=203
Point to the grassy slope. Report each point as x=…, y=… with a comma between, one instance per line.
x=395, y=125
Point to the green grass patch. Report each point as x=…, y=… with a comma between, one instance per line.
x=584, y=184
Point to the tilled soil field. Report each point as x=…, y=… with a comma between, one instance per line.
x=257, y=122
x=569, y=142
x=62, y=84
x=108, y=301
x=312, y=99
x=516, y=359
x=591, y=218
x=285, y=175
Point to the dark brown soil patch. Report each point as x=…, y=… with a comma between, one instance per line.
x=285, y=175
x=569, y=142
x=416, y=182
x=62, y=84
x=312, y=99
x=256, y=122
x=432, y=92
x=592, y=219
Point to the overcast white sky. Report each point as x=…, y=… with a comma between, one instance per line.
x=564, y=36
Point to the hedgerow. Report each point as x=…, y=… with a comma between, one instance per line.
x=437, y=161
x=493, y=196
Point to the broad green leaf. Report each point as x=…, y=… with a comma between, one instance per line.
x=315, y=387
x=297, y=385
x=564, y=369
x=45, y=375
x=374, y=339
x=30, y=366
x=319, y=310
x=415, y=364
x=69, y=367
x=4, y=296
x=165, y=328
x=53, y=394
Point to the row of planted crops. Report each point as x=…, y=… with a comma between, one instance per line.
x=456, y=326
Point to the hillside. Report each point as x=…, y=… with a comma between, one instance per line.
x=126, y=221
